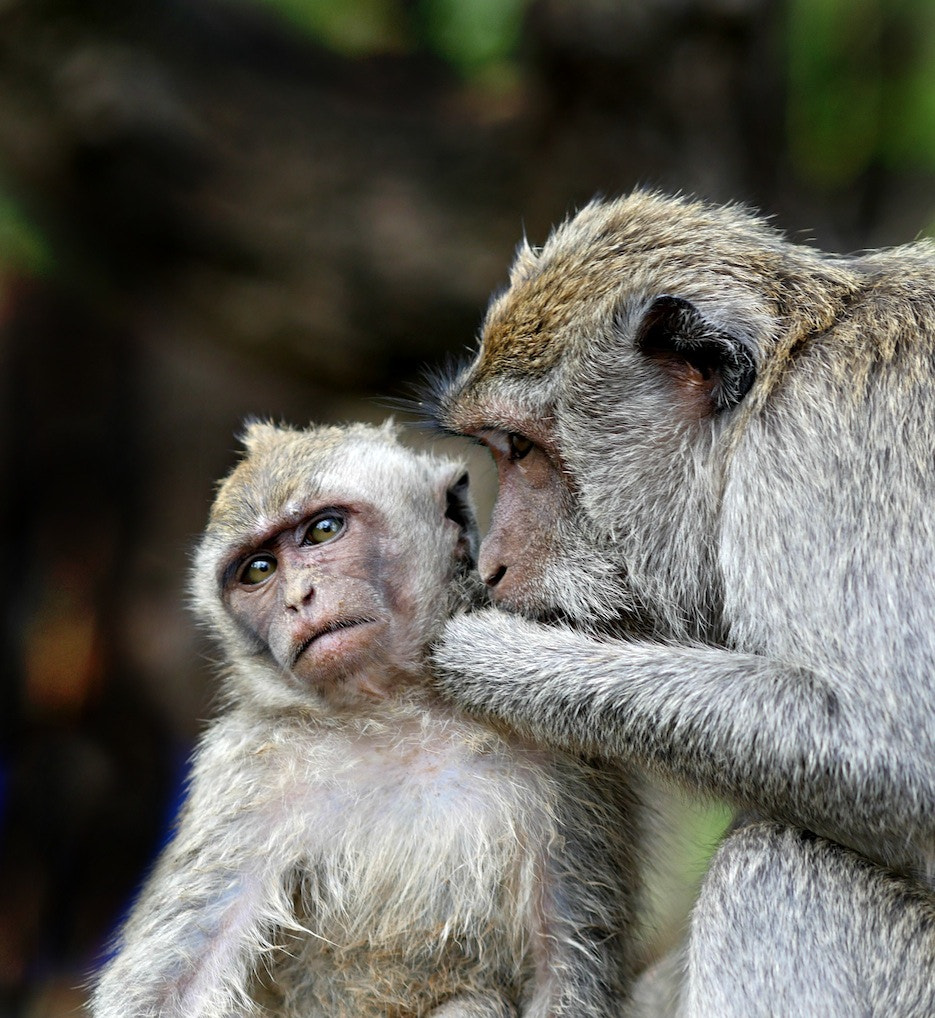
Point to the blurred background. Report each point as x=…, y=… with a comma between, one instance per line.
x=218, y=208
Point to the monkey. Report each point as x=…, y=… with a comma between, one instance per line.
x=712, y=556
x=350, y=845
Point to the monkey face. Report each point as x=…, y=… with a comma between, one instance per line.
x=316, y=596
x=525, y=519
x=337, y=556
x=623, y=351
x=542, y=555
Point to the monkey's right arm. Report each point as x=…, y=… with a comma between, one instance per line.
x=192, y=940
x=585, y=948
x=782, y=740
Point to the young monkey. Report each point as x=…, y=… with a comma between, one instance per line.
x=351, y=846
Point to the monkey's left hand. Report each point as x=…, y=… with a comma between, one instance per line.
x=496, y=664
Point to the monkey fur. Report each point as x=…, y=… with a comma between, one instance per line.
x=716, y=458
x=351, y=847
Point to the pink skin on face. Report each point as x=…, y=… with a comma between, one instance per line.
x=331, y=599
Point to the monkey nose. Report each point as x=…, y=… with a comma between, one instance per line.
x=299, y=593
x=490, y=565
x=495, y=577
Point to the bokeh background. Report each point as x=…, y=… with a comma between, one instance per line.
x=218, y=208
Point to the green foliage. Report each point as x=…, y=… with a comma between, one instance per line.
x=22, y=246
x=861, y=87
x=472, y=35
x=911, y=134
x=705, y=827
x=350, y=27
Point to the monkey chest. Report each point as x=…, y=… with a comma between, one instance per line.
x=415, y=884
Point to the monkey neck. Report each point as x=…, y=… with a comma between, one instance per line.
x=268, y=691
x=375, y=687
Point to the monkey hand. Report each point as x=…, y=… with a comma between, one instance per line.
x=497, y=664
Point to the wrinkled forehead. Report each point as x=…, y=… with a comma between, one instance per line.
x=278, y=482
x=525, y=328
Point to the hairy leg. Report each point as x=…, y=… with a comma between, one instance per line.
x=788, y=923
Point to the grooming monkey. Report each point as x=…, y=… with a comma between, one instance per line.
x=716, y=459
x=351, y=847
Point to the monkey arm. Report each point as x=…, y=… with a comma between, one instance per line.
x=192, y=940
x=184, y=953
x=781, y=740
x=583, y=942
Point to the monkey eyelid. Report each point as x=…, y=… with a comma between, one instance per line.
x=233, y=567
x=495, y=439
x=500, y=441
x=302, y=530
x=245, y=564
x=232, y=571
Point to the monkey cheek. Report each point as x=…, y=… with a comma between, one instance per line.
x=520, y=589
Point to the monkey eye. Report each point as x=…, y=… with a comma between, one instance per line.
x=257, y=569
x=325, y=527
x=520, y=446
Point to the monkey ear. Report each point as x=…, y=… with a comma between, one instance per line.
x=703, y=360
x=255, y=432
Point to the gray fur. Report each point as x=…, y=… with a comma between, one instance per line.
x=377, y=856
x=760, y=627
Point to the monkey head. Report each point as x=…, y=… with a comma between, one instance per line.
x=330, y=558
x=609, y=377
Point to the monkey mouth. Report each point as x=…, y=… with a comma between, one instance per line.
x=331, y=627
